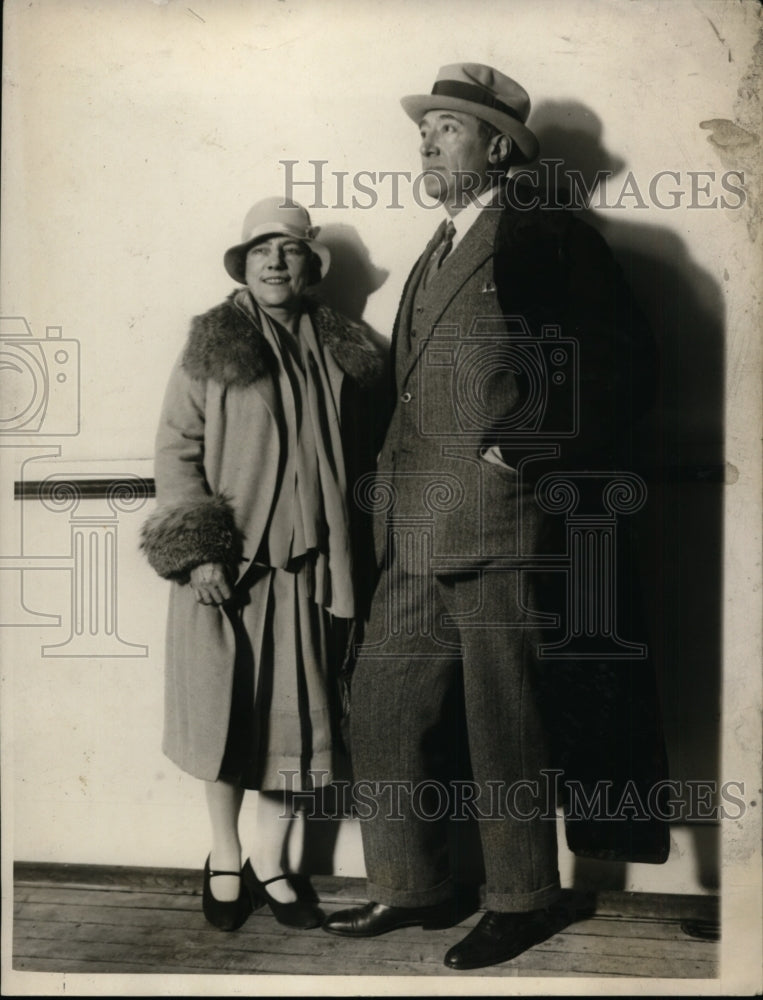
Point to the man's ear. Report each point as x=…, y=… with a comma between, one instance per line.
x=499, y=149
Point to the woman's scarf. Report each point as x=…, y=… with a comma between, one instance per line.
x=310, y=514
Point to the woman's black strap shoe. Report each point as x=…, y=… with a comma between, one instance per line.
x=300, y=913
x=226, y=916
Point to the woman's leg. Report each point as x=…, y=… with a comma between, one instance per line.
x=224, y=805
x=277, y=824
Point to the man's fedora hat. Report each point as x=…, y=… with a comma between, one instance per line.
x=274, y=217
x=484, y=92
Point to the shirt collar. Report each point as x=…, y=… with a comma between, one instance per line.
x=466, y=218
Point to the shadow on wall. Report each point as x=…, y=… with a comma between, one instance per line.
x=352, y=277
x=678, y=534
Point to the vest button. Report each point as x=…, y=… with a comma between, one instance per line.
x=406, y=397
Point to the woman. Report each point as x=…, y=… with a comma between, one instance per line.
x=259, y=443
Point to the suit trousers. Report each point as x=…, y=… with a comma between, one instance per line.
x=447, y=661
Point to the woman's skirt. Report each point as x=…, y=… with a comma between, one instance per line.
x=283, y=732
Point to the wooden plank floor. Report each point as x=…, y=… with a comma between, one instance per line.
x=88, y=919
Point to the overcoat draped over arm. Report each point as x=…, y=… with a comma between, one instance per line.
x=603, y=714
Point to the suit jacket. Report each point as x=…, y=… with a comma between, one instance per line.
x=528, y=341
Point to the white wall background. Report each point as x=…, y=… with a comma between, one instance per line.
x=136, y=135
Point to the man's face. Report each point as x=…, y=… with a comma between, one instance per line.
x=454, y=153
x=277, y=272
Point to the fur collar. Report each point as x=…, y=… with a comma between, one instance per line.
x=226, y=345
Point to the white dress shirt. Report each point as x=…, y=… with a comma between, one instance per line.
x=465, y=219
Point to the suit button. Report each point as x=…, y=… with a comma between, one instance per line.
x=406, y=397
x=419, y=309
x=413, y=333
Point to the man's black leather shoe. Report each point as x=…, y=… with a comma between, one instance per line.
x=497, y=938
x=373, y=919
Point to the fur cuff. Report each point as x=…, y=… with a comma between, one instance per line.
x=176, y=539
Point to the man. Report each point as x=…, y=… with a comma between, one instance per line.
x=487, y=396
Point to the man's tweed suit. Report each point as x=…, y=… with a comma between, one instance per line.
x=447, y=660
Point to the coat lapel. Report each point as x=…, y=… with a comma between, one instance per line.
x=412, y=282
x=475, y=248
x=471, y=253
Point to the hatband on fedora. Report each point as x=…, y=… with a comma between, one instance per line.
x=274, y=217
x=484, y=92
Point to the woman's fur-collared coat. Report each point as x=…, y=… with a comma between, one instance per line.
x=218, y=456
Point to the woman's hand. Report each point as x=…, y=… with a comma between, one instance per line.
x=209, y=583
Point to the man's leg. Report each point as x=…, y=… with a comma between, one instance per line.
x=508, y=749
x=406, y=700
x=507, y=745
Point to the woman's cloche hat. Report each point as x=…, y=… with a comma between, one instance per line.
x=484, y=92
x=274, y=217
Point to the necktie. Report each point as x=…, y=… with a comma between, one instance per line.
x=440, y=253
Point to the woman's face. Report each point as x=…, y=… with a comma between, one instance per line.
x=277, y=272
